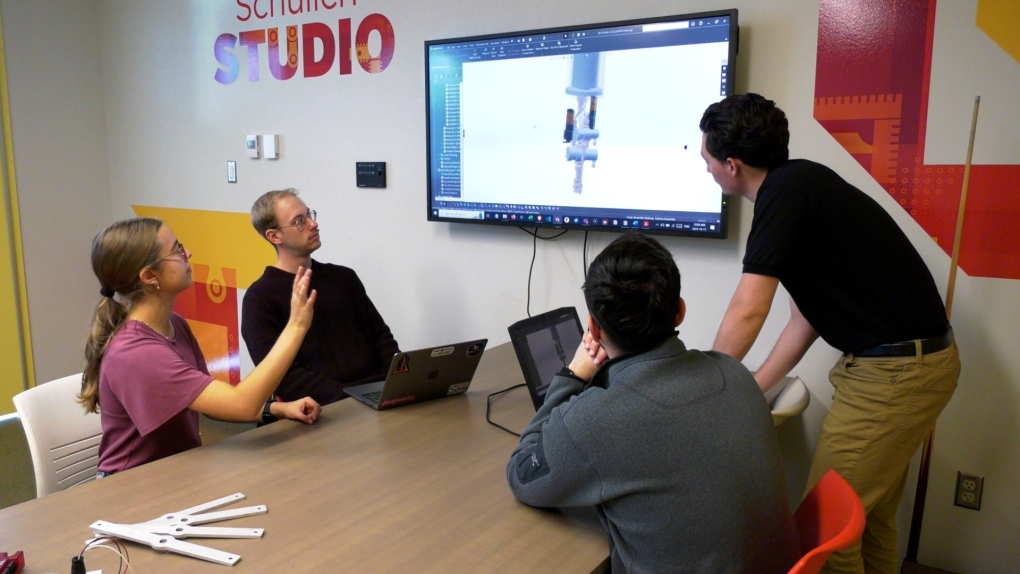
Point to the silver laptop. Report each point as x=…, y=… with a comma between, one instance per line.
x=423, y=375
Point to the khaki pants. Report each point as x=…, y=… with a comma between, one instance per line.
x=881, y=411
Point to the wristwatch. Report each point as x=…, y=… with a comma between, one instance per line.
x=267, y=414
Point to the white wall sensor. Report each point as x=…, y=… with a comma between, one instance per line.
x=271, y=146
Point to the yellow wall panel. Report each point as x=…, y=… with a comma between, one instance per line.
x=217, y=239
x=1000, y=19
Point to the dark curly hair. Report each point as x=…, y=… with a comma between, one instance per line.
x=747, y=127
x=633, y=292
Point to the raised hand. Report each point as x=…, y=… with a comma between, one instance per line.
x=594, y=348
x=302, y=302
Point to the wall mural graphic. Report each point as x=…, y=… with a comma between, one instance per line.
x=227, y=256
x=871, y=94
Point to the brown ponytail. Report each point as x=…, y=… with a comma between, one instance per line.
x=119, y=254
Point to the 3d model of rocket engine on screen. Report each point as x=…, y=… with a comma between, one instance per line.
x=586, y=83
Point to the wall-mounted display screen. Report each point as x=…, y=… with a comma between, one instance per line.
x=587, y=127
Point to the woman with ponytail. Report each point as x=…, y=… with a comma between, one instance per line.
x=145, y=373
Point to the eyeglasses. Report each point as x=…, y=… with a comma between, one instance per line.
x=301, y=221
x=177, y=250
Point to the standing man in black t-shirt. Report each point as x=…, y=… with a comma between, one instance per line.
x=855, y=280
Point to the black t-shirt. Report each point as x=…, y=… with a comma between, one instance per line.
x=348, y=343
x=848, y=266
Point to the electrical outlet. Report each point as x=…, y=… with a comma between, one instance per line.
x=968, y=490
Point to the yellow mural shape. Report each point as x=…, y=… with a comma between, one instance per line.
x=999, y=19
x=218, y=239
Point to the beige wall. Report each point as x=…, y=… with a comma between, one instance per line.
x=135, y=79
x=53, y=69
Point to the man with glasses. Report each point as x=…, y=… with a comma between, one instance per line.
x=348, y=342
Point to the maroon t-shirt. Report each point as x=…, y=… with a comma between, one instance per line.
x=146, y=383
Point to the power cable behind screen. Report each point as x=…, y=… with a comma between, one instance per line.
x=584, y=256
x=534, y=250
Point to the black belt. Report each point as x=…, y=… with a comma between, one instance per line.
x=908, y=349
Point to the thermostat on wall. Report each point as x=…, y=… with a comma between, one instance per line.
x=371, y=173
x=254, y=146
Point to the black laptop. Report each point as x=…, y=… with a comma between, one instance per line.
x=423, y=375
x=545, y=344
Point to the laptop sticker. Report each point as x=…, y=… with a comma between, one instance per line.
x=475, y=349
x=442, y=352
x=458, y=388
x=400, y=401
x=403, y=366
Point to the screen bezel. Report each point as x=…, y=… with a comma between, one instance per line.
x=519, y=332
x=585, y=224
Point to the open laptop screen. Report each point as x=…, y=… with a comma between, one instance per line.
x=545, y=344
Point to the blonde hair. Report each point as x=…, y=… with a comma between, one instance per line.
x=263, y=213
x=119, y=254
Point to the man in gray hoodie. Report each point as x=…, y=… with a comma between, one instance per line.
x=676, y=448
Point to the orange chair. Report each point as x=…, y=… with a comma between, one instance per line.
x=830, y=518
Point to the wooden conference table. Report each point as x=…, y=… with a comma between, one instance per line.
x=420, y=488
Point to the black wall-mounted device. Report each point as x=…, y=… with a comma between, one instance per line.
x=371, y=173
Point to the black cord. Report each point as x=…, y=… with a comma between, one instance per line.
x=78, y=562
x=584, y=256
x=534, y=251
x=488, y=408
x=535, y=233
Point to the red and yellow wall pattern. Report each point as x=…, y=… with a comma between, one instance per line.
x=871, y=93
x=227, y=256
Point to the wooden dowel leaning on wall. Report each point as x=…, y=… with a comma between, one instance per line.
x=922, y=474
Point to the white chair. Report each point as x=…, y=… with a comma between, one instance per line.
x=790, y=401
x=62, y=438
